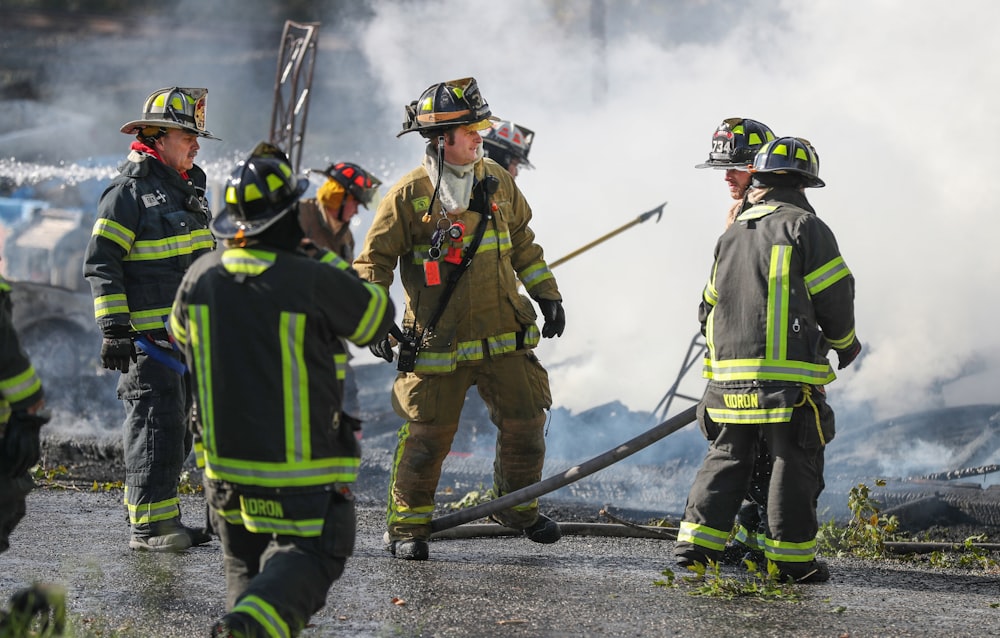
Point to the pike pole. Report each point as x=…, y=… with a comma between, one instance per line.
x=571, y=475
x=658, y=211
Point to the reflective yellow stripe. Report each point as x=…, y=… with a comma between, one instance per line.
x=773, y=415
x=115, y=304
x=152, y=319
x=826, y=275
x=702, y=536
x=140, y=513
x=768, y=370
x=778, y=287
x=295, y=387
x=167, y=247
x=783, y=551
x=247, y=262
x=115, y=232
x=378, y=302
x=20, y=386
x=269, y=474
x=265, y=615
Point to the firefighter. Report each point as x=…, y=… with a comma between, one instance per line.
x=326, y=218
x=779, y=266
x=508, y=145
x=458, y=224
x=22, y=413
x=262, y=324
x=152, y=223
x=734, y=144
x=326, y=221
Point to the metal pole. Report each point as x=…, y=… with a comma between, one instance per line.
x=658, y=211
x=571, y=475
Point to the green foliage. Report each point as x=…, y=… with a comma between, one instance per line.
x=865, y=534
x=709, y=581
x=966, y=556
x=474, y=497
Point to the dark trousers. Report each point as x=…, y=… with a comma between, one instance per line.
x=156, y=439
x=12, y=508
x=796, y=481
x=278, y=582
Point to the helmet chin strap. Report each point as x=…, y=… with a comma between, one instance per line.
x=440, y=163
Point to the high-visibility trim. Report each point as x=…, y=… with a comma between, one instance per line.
x=340, y=364
x=20, y=386
x=304, y=528
x=466, y=351
x=270, y=474
x=115, y=232
x=174, y=246
x=710, y=294
x=116, y=304
x=778, y=290
x=151, y=319
x=405, y=515
x=335, y=260
x=265, y=614
x=840, y=344
x=199, y=454
x=200, y=332
x=378, y=303
x=767, y=370
x=826, y=275
x=535, y=274
x=244, y=261
x=762, y=415
x=783, y=551
x=4, y=286
x=295, y=387
x=141, y=513
x=756, y=212
x=702, y=536
x=178, y=330
x=489, y=242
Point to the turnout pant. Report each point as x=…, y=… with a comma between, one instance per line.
x=279, y=581
x=515, y=388
x=157, y=439
x=721, y=483
x=13, y=491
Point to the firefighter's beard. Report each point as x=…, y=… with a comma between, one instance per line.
x=456, y=181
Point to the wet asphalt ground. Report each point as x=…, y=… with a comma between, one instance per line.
x=489, y=587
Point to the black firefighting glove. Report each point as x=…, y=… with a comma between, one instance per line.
x=555, y=318
x=848, y=354
x=22, y=445
x=117, y=348
x=383, y=347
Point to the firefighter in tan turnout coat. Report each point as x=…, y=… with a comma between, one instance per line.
x=461, y=216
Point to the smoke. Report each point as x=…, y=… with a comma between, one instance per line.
x=624, y=102
x=895, y=101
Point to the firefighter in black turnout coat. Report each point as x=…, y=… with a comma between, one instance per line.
x=779, y=297
x=152, y=223
x=261, y=325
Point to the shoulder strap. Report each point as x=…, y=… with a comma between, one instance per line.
x=484, y=189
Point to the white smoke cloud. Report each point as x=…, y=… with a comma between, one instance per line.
x=896, y=100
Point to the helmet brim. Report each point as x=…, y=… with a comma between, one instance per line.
x=135, y=126
x=724, y=165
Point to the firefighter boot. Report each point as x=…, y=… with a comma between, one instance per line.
x=543, y=530
x=409, y=549
x=167, y=536
x=815, y=571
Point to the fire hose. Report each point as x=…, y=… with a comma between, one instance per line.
x=575, y=473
